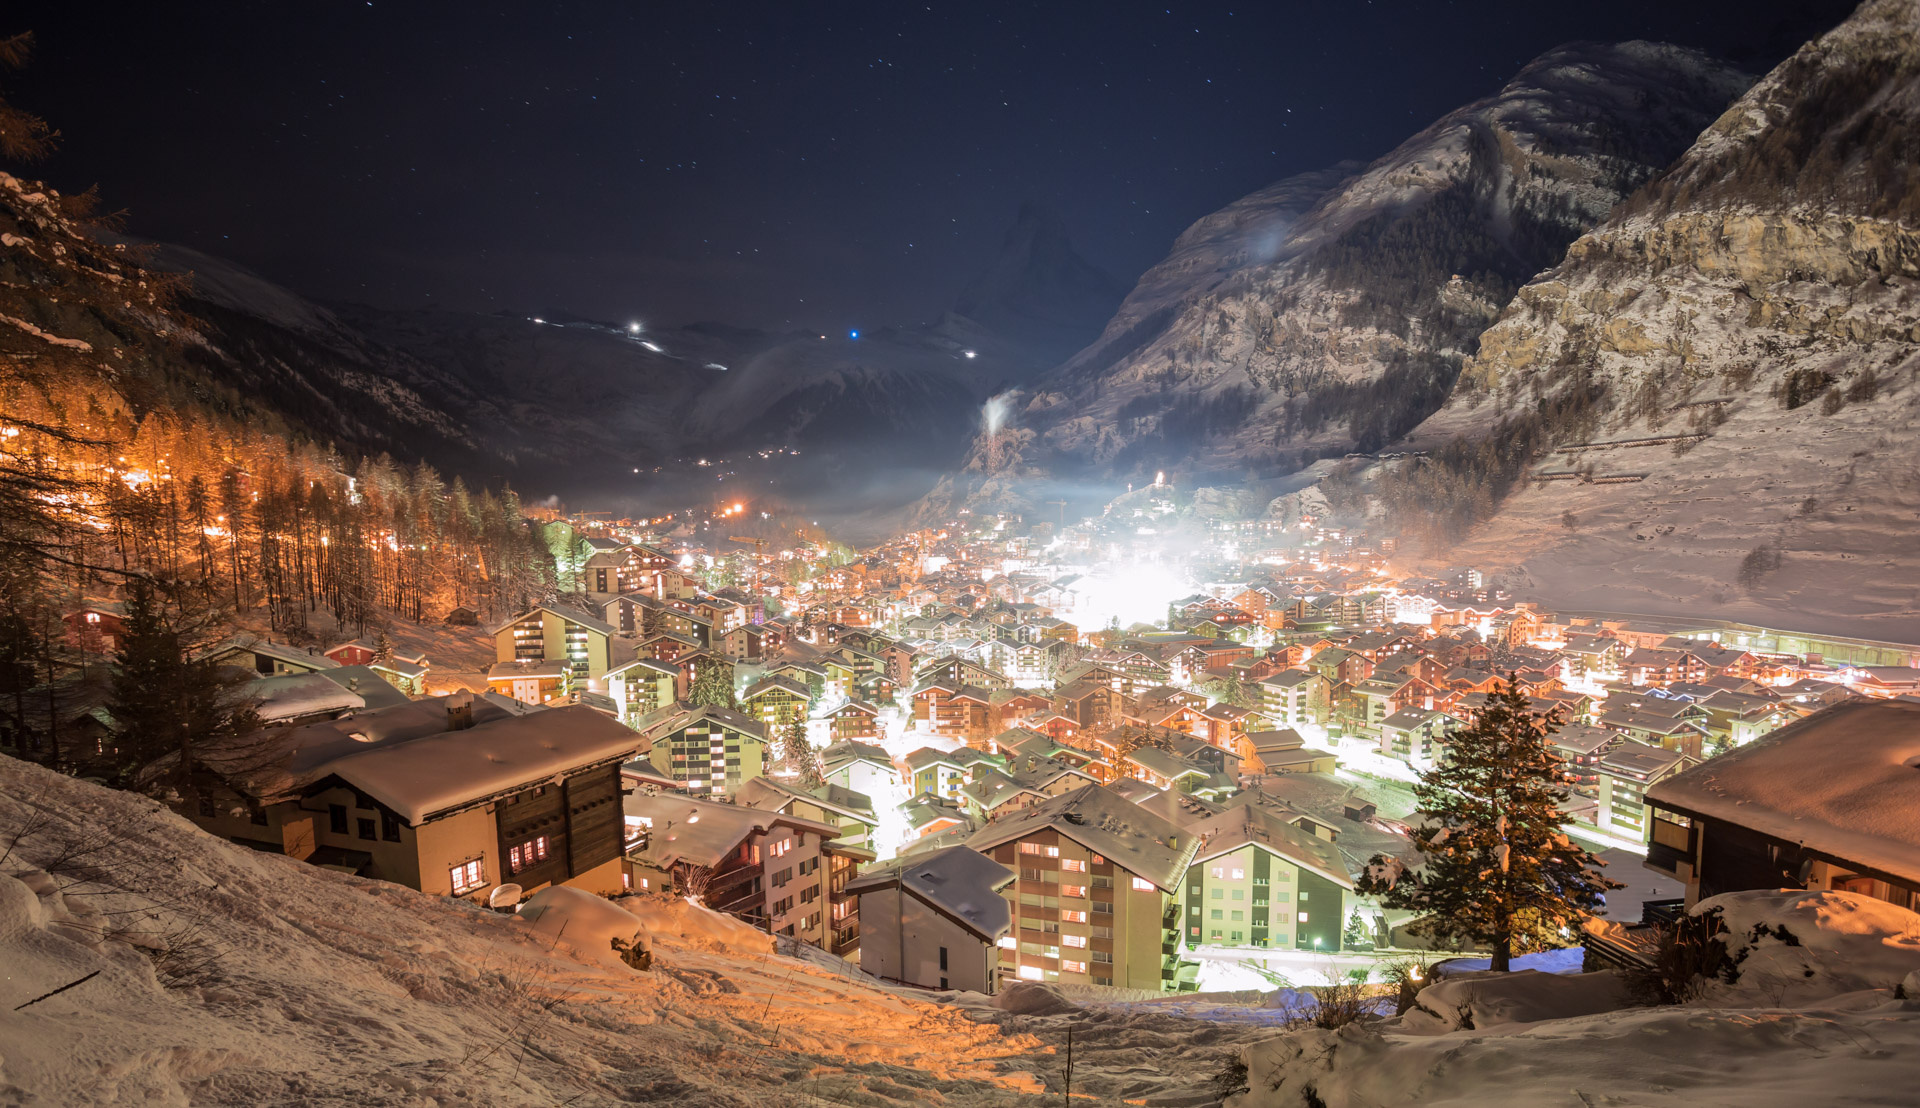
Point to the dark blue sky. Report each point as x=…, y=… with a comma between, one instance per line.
x=829, y=165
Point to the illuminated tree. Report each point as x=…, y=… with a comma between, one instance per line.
x=1496, y=865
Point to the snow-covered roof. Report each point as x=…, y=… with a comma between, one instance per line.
x=300, y=694
x=957, y=881
x=1844, y=782
x=423, y=776
x=1136, y=840
x=1262, y=826
x=704, y=832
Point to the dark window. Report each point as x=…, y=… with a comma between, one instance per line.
x=206, y=807
x=943, y=982
x=390, y=827
x=943, y=964
x=366, y=828
x=258, y=816
x=337, y=818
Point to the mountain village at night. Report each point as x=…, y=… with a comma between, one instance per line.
x=1447, y=633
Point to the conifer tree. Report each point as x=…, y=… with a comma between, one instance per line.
x=798, y=753
x=169, y=705
x=1496, y=865
x=713, y=684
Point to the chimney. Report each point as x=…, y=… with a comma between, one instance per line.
x=460, y=711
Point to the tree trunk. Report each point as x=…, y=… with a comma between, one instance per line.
x=1502, y=954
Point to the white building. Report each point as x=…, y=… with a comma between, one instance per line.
x=934, y=920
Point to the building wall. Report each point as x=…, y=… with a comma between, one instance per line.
x=689, y=755
x=1122, y=947
x=902, y=938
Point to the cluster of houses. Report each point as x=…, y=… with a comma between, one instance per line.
x=994, y=795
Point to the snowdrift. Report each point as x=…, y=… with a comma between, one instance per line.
x=1817, y=1013
x=204, y=973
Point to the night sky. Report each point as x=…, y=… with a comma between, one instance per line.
x=825, y=165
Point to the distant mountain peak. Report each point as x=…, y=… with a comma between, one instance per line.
x=1039, y=291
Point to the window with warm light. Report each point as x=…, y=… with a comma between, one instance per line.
x=1142, y=885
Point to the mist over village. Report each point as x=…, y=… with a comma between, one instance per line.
x=766, y=556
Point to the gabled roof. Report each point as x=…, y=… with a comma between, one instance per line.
x=677, y=836
x=780, y=684
x=845, y=753
x=572, y=615
x=1136, y=840
x=957, y=881
x=680, y=715
x=777, y=795
x=1263, y=827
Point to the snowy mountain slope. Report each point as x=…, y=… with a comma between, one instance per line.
x=1333, y=310
x=1765, y=293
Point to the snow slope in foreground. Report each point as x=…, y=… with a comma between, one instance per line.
x=225, y=976
x=1828, y=1016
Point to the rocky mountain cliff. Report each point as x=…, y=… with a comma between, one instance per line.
x=1755, y=313
x=1332, y=311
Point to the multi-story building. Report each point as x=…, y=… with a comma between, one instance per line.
x=714, y=750
x=555, y=633
x=1095, y=899
x=1295, y=698
x=1260, y=881
x=641, y=687
x=1626, y=770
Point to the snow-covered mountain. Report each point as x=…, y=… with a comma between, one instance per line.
x=577, y=406
x=1333, y=310
x=1761, y=300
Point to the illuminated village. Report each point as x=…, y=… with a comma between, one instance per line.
x=677, y=600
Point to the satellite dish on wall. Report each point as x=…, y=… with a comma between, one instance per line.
x=504, y=898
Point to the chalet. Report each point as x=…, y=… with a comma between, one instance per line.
x=1340, y=666
x=450, y=795
x=1285, y=751
x=640, y=616
x=927, y=815
x=775, y=871
x=266, y=658
x=643, y=686
x=1260, y=881
x=953, y=711
x=636, y=570
x=852, y=812
x=1417, y=736
x=859, y=766
x=96, y=628
x=776, y=701
x=936, y=772
x=1826, y=802
x=935, y=920
x=555, y=633
x=1656, y=667
x=1094, y=899
x=531, y=680
x=955, y=671
x=1580, y=747
x=748, y=643
x=1589, y=659
x=713, y=750
x=854, y=720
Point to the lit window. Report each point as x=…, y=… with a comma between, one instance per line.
x=1073, y=967
x=467, y=877
x=1239, y=874
x=1218, y=871
x=1069, y=915
x=1303, y=917
x=1142, y=885
x=1073, y=865
x=1008, y=942
x=1030, y=973
x=1073, y=940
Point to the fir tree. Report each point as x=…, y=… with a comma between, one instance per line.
x=1497, y=866
x=713, y=684
x=167, y=704
x=798, y=753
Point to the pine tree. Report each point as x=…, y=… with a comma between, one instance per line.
x=713, y=684
x=1497, y=865
x=169, y=705
x=798, y=753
